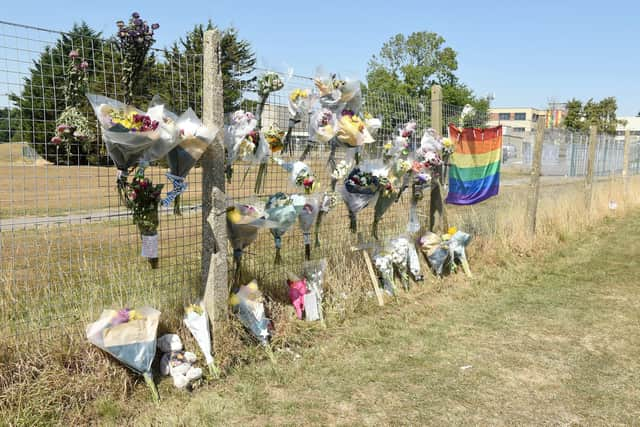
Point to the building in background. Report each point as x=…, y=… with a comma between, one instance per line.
x=520, y=121
x=631, y=123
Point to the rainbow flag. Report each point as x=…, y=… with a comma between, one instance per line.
x=474, y=174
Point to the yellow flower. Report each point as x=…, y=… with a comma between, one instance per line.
x=297, y=94
x=447, y=142
x=388, y=146
x=273, y=135
x=253, y=285
x=452, y=230
x=195, y=308
x=234, y=300
x=134, y=315
x=233, y=215
x=368, y=116
x=350, y=132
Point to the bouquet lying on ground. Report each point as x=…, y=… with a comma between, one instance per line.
x=72, y=126
x=308, y=215
x=243, y=223
x=359, y=189
x=383, y=262
x=129, y=336
x=314, y=274
x=282, y=210
x=248, y=306
x=132, y=136
x=328, y=202
x=300, y=175
x=405, y=260
x=194, y=139
x=446, y=251
x=142, y=199
x=240, y=139
x=196, y=320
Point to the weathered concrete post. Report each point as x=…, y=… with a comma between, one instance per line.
x=625, y=166
x=534, y=186
x=214, y=231
x=591, y=165
x=437, y=214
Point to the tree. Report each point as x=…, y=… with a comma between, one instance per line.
x=9, y=124
x=602, y=114
x=42, y=97
x=237, y=60
x=409, y=66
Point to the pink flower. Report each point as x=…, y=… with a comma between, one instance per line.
x=56, y=140
x=74, y=54
x=84, y=65
x=62, y=128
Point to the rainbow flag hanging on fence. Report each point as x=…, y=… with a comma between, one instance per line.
x=474, y=174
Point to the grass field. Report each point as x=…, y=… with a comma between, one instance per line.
x=552, y=340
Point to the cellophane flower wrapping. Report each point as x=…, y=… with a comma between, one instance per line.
x=197, y=321
x=300, y=175
x=283, y=211
x=194, y=139
x=337, y=94
x=328, y=202
x=314, y=272
x=240, y=136
x=420, y=181
x=437, y=252
x=359, y=189
x=130, y=337
x=405, y=259
x=457, y=247
x=352, y=131
x=384, y=265
x=248, y=306
x=323, y=125
x=307, y=217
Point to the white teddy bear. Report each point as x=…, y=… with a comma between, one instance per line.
x=177, y=362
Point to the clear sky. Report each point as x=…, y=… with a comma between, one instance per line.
x=525, y=52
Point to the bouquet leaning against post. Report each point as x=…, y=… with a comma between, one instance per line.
x=129, y=336
x=194, y=138
x=359, y=189
x=196, y=320
x=142, y=199
x=248, y=305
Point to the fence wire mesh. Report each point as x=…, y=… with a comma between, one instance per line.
x=68, y=247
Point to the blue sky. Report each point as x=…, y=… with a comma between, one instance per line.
x=525, y=52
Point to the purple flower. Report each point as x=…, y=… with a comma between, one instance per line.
x=135, y=15
x=74, y=54
x=137, y=22
x=84, y=65
x=121, y=317
x=120, y=24
x=155, y=26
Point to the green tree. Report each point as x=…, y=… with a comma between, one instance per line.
x=600, y=113
x=409, y=66
x=237, y=61
x=9, y=124
x=42, y=99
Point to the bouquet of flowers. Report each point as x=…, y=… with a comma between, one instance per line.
x=194, y=139
x=283, y=211
x=328, y=202
x=273, y=137
x=447, y=249
x=299, y=103
x=134, y=40
x=372, y=124
x=340, y=172
x=129, y=336
x=142, y=199
x=243, y=223
x=359, y=189
x=323, y=125
x=314, y=273
x=307, y=217
x=240, y=139
x=300, y=175
x=388, y=194
x=268, y=83
x=72, y=126
x=297, y=291
x=384, y=265
x=132, y=136
x=352, y=131
x=248, y=306
x=419, y=182
x=405, y=260
x=337, y=94
x=196, y=320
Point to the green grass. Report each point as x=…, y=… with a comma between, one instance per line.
x=552, y=340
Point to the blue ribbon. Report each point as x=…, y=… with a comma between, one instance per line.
x=179, y=187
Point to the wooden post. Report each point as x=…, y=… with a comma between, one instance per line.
x=214, y=227
x=534, y=186
x=591, y=163
x=372, y=273
x=625, y=166
x=437, y=212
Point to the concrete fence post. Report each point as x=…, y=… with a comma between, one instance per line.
x=437, y=213
x=536, y=169
x=591, y=166
x=214, y=231
x=625, y=166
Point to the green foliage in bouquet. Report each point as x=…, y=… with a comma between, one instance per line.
x=143, y=199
